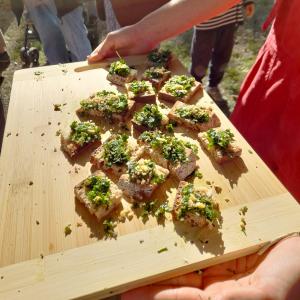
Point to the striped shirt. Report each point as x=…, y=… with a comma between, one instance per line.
x=233, y=15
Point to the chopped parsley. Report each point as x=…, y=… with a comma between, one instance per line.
x=155, y=72
x=139, y=87
x=109, y=228
x=162, y=250
x=107, y=102
x=221, y=138
x=84, y=132
x=116, y=151
x=159, y=57
x=197, y=203
x=194, y=113
x=162, y=210
x=149, y=116
x=144, y=172
x=68, y=230
x=98, y=190
x=172, y=148
x=179, y=85
x=120, y=68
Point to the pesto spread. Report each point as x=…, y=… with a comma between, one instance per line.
x=144, y=172
x=107, y=102
x=197, y=203
x=84, y=132
x=120, y=68
x=155, y=72
x=219, y=138
x=179, y=85
x=97, y=190
x=139, y=87
x=116, y=150
x=149, y=116
x=193, y=113
x=172, y=148
x=159, y=57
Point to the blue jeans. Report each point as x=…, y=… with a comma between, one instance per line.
x=58, y=35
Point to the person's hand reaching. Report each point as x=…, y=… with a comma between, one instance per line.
x=272, y=276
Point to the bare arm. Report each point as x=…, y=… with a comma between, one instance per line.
x=171, y=19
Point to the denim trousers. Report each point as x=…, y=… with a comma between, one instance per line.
x=58, y=35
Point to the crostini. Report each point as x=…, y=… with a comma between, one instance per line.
x=179, y=88
x=80, y=136
x=160, y=58
x=195, y=206
x=99, y=195
x=120, y=73
x=157, y=76
x=142, y=179
x=195, y=117
x=141, y=91
x=220, y=144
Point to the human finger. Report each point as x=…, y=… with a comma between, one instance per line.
x=105, y=49
x=240, y=293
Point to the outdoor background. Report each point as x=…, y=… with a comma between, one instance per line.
x=249, y=38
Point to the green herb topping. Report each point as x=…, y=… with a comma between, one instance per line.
x=139, y=87
x=149, y=116
x=144, y=171
x=159, y=57
x=107, y=102
x=172, y=148
x=84, y=132
x=120, y=68
x=220, y=138
x=116, y=150
x=97, y=189
x=155, y=72
x=194, y=113
x=198, y=203
x=109, y=229
x=179, y=85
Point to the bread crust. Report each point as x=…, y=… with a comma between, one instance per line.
x=158, y=82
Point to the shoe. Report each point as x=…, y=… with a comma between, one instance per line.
x=214, y=92
x=4, y=61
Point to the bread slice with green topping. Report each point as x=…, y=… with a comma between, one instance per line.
x=99, y=195
x=142, y=179
x=157, y=76
x=120, y=73
x=80, y=136
x=160, y=58
x=107, y=105
x=179, y=88
x=220, y=144
x=172, y=153
x=195, y=205
x=150, y=117
x=115, y=152
x=141, y=91
x=195, y=117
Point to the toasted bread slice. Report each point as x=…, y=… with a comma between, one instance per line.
x=100, y=211
x=213, y=120
x=219, y=154
x=98, y=156
x=163, y=94
x=193, y=211
x=157, y=76
x=120, y=80
x=141, y=190
x=72, y=148
x=147, y=96
x=160, y=58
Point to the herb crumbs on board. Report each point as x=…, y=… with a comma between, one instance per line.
x=162, y=250
x=68, y=230
x=57, y=107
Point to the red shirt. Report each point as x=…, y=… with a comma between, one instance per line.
x=268, y=108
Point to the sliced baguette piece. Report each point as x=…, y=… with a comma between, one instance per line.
x=100, y=212
x=193, y=218
x=148, y=96
x=98, y=161
x=120, y=80
x=166, y=96
x=219, y=154
x=72, y=148
x=140, y=191
x=160, y=58
x=157, y=82
x=213, y=120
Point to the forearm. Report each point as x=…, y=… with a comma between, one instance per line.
x=177, y=16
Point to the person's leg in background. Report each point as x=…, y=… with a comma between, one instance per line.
x=75, y=34
x=47, y=25
x=201, y=51
x=220, y=58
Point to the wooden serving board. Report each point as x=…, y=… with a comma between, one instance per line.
x=37, y=201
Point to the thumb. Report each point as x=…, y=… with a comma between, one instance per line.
x=105, y=49
x=161, y=292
